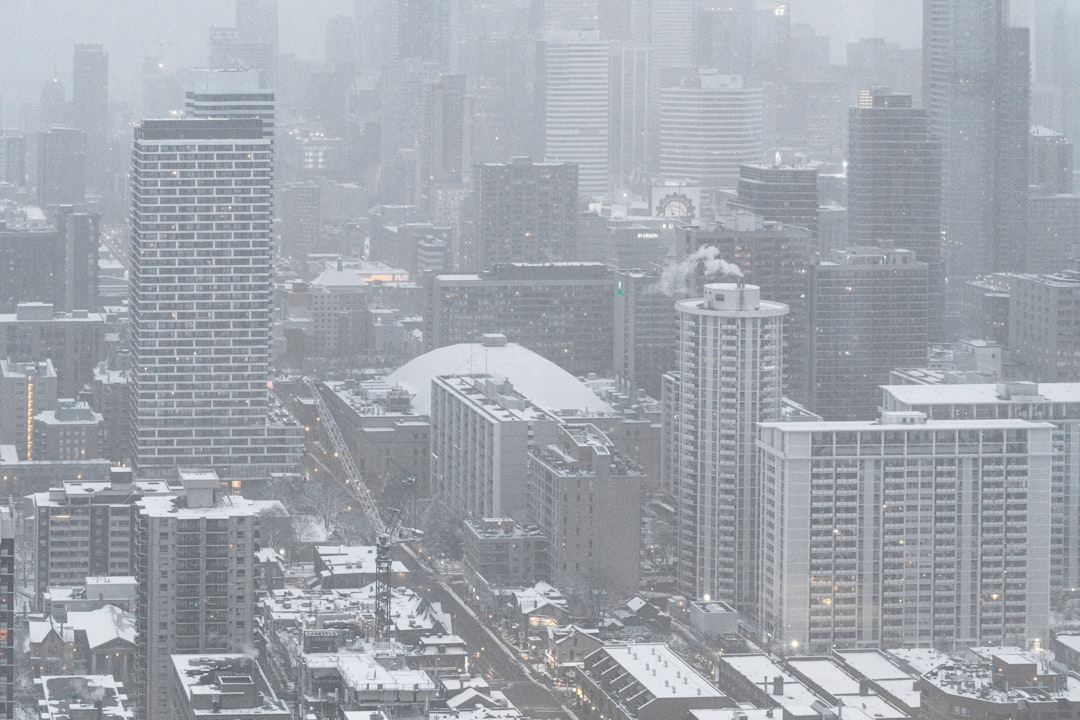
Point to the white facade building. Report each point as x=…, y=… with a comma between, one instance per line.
x=729, y=363
x=710, y=124
x=200, y=299
x=481, y=433
x=573, y=105
x=904, y=532
x=1057, y=403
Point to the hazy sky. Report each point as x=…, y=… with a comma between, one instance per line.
x=37, y=36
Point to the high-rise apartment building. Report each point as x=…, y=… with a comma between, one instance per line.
x=572, y=92
x=7, y=613
x=710, y=125
x=1049, y=402
x=90, y=109
x=26, y=389
x=562, y=311
x=777, y=258
x=894, y=186
x=644, y=323
x=780, y=193
x=729, y=367
x=481, y=433
x=200, y=298
x=868, y=315
x=1053, y=230
x=80, y=232
x=976, y=87
x=905, y=532
x=525, y=212
x=301, y=219
x=585, y=497
x=193, y=557
x=74, y=341
x=32, y=259
x=61, y=176
x=82, y=529
x=1044, y=325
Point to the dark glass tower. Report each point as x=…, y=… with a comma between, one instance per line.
x=976, y=87
x=894, y=185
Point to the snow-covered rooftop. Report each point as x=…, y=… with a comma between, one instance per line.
x=660, y=671
x=757, y=666
x=981, y=394
x=543, y=382
x=72, y=696
x=226, y=506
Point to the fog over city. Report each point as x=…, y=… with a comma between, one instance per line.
x=539, y=359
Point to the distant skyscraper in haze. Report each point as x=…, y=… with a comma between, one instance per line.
x=53, y=107
x=252, y=44
x=572, y=15
x=976, y=87
x=633, y=113
x=729, y=369
x=572, y=95
x=525, y=212
x=710, y=124
x=61, y=167
x=671, y=33
x=90, y=109
x=894, y=185
x=723, y=36
x=14, y=156
x=230, y=93
x=780, y=193
x=200, y=298
x=868, y=315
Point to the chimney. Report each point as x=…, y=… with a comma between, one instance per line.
x=778, y=685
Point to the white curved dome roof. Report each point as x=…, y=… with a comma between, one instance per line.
x=543, y=382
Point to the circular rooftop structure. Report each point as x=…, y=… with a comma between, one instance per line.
x=543, y=382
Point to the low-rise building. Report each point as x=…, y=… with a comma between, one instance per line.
x=224, y=687
x=644, y=681
x=71, y=431
x=65, y=697
x=500, y=552
x=95, y=592
x=346, y=566
x=999, y=683
x=96, y=642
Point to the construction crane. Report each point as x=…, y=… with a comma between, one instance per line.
x=388, y=534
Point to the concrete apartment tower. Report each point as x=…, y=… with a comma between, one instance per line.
x=200, y=299
x=729, y=363
x=193, y=557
